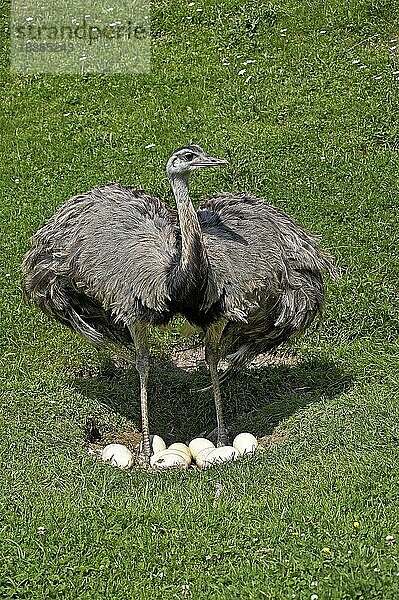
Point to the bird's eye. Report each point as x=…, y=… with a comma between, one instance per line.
x=189, y=156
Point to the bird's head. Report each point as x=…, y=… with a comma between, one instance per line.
x=187, y=159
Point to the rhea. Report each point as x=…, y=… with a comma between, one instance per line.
x=114, y=261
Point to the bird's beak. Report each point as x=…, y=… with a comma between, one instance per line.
x=210, y=161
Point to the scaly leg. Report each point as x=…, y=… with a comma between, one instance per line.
x=140, y=337
x=212, y=339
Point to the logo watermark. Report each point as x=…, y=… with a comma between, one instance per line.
x=80, y=37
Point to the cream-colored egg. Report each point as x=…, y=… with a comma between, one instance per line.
x=198, y=444
x=181, y=453
x=182, y=447
x=118, y=455
x=157, y=444
x=220, y=455
x=245, y=443
x=201, y=456
x=167, y=459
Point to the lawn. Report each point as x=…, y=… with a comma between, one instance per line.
x=303, y=100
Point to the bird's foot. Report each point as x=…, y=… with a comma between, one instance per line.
x=145, y=451
x=222, y=438
x=142, y=462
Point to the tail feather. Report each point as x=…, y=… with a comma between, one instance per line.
x=272, y=323
x=251, y=348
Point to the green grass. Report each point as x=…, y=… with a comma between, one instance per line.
x=316, y=135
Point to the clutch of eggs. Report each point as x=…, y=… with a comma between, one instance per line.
x=180, y=456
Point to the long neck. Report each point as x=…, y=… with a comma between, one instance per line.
x=193, y=254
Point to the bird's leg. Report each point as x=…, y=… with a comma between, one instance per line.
x=212, y=339
x=140, y=337
x=212, y=361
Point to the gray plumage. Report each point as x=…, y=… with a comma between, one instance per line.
x=99, y=264
x=115, y=260
x=269, y=271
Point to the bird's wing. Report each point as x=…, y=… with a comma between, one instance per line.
x=255, y=249
x=115, y=245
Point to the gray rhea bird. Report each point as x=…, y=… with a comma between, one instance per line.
x=114, y=261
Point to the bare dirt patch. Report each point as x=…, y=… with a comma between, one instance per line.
x=277, y=437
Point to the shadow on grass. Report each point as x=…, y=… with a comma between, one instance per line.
x=257, y=400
